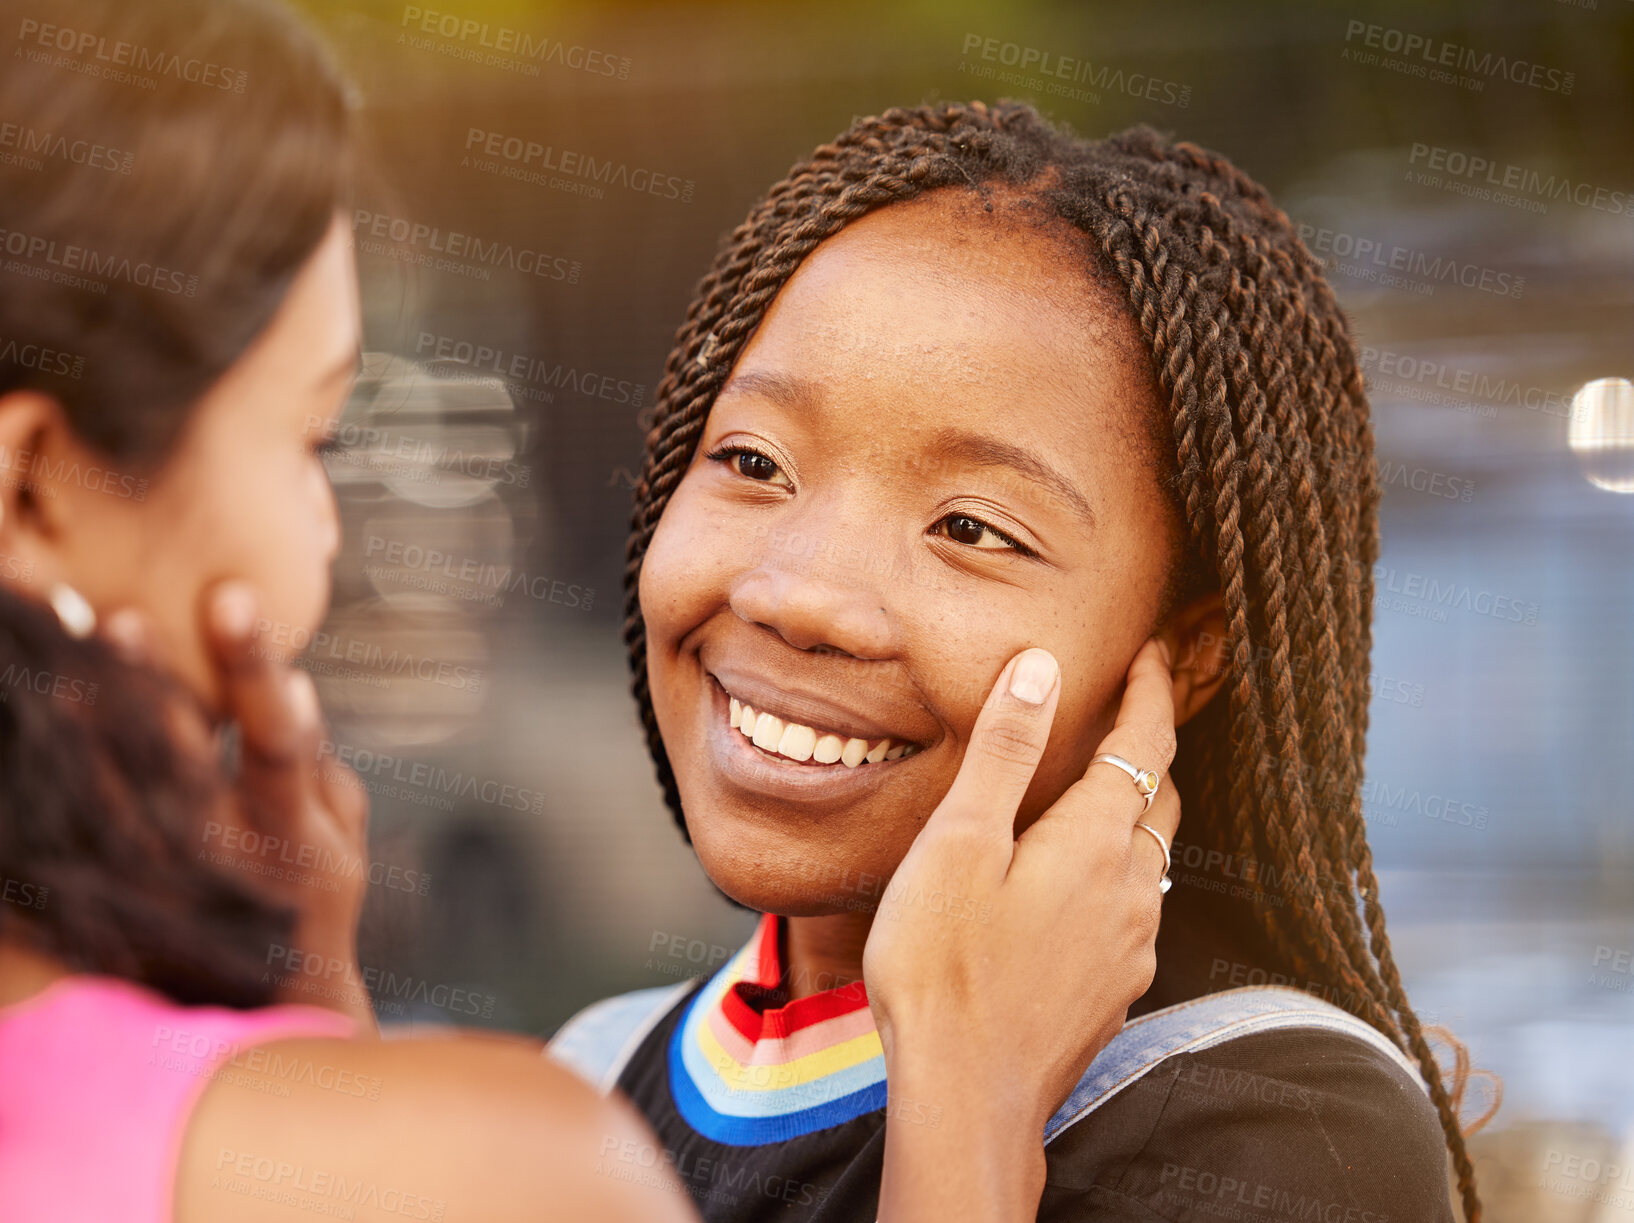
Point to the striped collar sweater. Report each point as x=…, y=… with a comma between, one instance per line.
x=771, y=1109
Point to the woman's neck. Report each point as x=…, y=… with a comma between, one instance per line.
x=824, y=952
x=24, y=973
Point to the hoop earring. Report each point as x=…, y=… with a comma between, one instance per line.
x=78, y=617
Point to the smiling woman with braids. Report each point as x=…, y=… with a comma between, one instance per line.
x=963, y=383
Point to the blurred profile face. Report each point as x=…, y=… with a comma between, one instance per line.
x=243, y=494
x=927, y=458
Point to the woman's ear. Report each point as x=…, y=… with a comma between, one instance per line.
x=1195, y=636
x=30, y=505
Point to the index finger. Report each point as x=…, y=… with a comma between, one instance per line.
x=273, y=704
x=1005, y=747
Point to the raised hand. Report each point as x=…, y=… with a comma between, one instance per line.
x=991, y=1010
x=294, y=819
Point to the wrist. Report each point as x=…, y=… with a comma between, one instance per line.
x=986, y=1109
x=336, y=980
x=329, y=932
x=927, y=1073
x=956, y=1154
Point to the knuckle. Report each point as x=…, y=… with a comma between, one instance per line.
x=1110, y=839
x=953, y=847
x=298, y=745
x=1011, y=741
x=1111, y=807
x=1150, y=918
x=279, y=748
x=1162, y=743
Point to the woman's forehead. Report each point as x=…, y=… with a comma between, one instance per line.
x=1006, y=242
x=951, y=298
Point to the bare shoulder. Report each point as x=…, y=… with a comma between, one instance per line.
x=463, y=1126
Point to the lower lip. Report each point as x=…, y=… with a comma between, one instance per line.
x=746, y=766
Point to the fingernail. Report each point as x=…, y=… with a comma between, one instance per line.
x=234, y=610
x=1033, y=677
x=127, y=634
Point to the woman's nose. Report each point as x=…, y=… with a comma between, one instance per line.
x=329, y=532
x=816, y=605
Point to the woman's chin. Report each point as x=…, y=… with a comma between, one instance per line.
x=789, y=881
x=796, y=904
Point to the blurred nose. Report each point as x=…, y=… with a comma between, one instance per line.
x=796, y=588
x=328, y=520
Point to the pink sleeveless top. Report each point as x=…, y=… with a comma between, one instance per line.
x=97, y=1080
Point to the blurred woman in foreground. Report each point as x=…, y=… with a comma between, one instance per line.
x=178, y=332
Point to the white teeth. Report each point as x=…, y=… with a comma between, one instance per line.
x=797, y=743
x=768, y=730
x=801, y=743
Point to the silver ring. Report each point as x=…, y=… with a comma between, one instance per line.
x=1146, y=780
x=1165, y=883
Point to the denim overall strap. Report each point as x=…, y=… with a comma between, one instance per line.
x=1199, y=1024
x=598, y=1041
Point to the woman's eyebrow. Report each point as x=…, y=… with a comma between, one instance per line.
x=980, y=450
x=786, y=391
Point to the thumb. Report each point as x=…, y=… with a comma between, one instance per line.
x=1005, y=747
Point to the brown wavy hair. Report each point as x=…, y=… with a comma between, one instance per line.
x=1273, y=471
x=195, y=203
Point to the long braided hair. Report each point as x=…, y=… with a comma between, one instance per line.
x=1272, y=469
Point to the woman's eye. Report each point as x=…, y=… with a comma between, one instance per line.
x=750, y=464
x=974, y=533
x=755, y=466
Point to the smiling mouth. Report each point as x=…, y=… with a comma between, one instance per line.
x=811, y=745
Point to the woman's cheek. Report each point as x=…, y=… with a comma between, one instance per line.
x=653, y=590
x=291, y=566
x=679, y=571
x=1081, y=722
